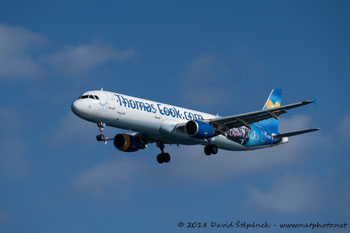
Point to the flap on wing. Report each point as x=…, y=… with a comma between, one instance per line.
x=279, y=136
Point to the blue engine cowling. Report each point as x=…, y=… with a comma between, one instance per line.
x=199, y=129
x=128, y=143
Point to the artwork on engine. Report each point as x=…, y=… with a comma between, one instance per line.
x=239, y=135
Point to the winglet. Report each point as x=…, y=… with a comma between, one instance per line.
x=314, y=101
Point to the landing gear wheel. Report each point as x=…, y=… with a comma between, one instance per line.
x=214, y=150
x=210, y=149
x=207, y=150
x=166, y=157
x=163, y=158
x=160, y=158
x=100, y=137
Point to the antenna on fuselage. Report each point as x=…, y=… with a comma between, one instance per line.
x=102, y=89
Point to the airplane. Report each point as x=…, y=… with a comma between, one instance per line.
x=159, y=123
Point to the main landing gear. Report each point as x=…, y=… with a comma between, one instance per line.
x=210, y=149
x=162, y=157
x=100, y=137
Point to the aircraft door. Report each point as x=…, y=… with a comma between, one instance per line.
x=157, y=115
x=111, y=101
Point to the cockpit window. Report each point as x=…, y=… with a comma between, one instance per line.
x=89, y=97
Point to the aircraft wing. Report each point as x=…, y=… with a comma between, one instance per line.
x=223, y=124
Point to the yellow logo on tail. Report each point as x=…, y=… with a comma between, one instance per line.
x=269, y=104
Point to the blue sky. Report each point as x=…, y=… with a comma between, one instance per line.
x=218, y=57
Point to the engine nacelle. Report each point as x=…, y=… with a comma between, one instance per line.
x=128, y=143
x=199, y=129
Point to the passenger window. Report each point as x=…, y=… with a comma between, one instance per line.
x=84, y=97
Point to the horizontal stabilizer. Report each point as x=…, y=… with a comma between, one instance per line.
x=279, y=136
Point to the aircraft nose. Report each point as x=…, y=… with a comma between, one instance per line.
x=77, y=107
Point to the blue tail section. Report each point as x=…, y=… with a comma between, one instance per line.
x=274, y=100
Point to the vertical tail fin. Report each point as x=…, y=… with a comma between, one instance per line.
x=274, y=100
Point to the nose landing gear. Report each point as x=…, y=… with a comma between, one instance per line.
x=101, y=136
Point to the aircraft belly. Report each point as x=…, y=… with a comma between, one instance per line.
x=166, y=132
x=159, y=130
x=226, y=144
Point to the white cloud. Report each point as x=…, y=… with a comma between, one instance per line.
x=110, y=179
x=205, y=96
x=74, y=60
x=20, y=58
x=196, y=166
x=344, y=127
x=206, y=77
x=294, y=123
x=289, y=194
x=115, y=177
x=200, y=81
x=206, y=67
x=16, y=44
x=12, y=161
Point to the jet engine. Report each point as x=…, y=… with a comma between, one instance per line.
x=199, y=129
x=128, y=143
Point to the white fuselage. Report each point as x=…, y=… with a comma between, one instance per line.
x=157, y=120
